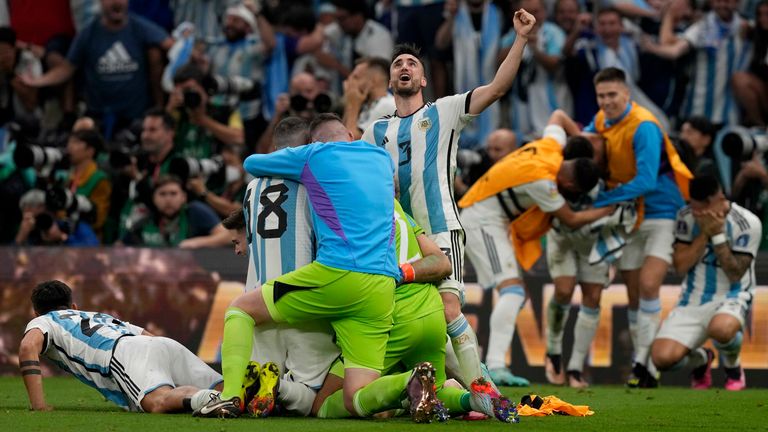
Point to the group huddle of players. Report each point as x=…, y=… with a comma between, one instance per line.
x=356, y=257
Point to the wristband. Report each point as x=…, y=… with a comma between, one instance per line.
x=718, y=239
x=407, y=272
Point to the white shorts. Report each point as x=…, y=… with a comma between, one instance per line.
x=688, y=324
x=141, y=364
x=452, y=245
x=565, y=257
x=492, y=255
x=655, y=238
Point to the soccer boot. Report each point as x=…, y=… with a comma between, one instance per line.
x=229, y=408
x=250, y=383
x=484, y=398
x=504, y=377
x=701, y=377
x=735, y=379
x=576, y=380
x=424, y=404
x=263, y=403
x=553, y=369
x=637, y=375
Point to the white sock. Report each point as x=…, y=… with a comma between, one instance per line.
x=632, y=320
x=202, y=397
x=730, y=351
x=296, y=397
x=464, y=344
x=452, y=366
x=648, y=318
x=503, y=320
x=557, y=316
x=583, y=335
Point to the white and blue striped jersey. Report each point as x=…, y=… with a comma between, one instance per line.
x=242, y=58
x=204, y=14
x=278, y=229
x=706, y=281
x=721, y=50
x=423, y=147
x=82, y=344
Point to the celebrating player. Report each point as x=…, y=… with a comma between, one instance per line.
x=716, y=242
x=422, y=141
x=125, y=363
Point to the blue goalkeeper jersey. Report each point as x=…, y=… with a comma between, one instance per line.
x=351, y=189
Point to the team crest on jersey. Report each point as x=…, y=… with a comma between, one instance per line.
x=425, y=124
x=742, y=240
x=553, y=192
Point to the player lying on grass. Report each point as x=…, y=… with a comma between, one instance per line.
x=126, y=364
x=715, y=246
x=417, y=340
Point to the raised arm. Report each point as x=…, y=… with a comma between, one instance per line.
x=287, y=163
x=29, y=363
x=485, y=95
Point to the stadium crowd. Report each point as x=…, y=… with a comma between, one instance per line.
x=119, y=132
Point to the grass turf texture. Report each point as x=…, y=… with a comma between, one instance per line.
x=77, y=408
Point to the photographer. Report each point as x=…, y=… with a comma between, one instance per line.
x=197, y=129
x=85, y=178
x=171, y=218
x=228, y=197
x=474, y=163
x=55, y=217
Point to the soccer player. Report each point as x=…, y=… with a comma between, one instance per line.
x=417, y=337
x=716, y=242
x=422, y=140
x=126, y=364
x=568, y=264
x=643, y=165
x=523, y=191
x=351, y=282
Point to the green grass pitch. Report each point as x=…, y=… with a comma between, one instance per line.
x=78, y=408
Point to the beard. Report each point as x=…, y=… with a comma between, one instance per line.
x=405, y=91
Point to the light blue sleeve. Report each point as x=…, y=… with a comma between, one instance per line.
x=287, y=163
x=647, y=144
x=591, y=127
x=555, y=40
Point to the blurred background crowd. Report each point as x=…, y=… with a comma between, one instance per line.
x=126, y=122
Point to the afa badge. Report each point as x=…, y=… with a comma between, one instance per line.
x=742, y=240
x=424, y=124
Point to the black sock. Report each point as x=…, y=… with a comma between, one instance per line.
x=187, y=403
x=733, y=373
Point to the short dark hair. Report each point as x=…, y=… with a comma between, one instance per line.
x=586, y=173
x=289, y=130
x=8, y=35
x=235, y=220
x=703, y=125
x=704, y=186
x=164, y=179
x=609, y=10
x=578, y=146
x=168, y=121
x=299, y=17
x=610, y=74
x=189, y=71
x=51, y=295
x=91, y=137
x=407, y=48
x=378, y=63
x=354, y=7
x=322, y=119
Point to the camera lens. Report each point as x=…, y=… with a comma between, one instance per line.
x=192, y=99
x=299, y=103
x=323, y=103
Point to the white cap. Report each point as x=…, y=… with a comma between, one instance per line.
x=243, y=12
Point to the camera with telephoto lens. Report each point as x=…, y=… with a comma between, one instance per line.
x=188, y=167
x=245, y=89
x=77, y=207
x=739, y=142
x=40, y=157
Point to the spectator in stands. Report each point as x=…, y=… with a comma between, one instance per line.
x=474, y=163
x=197, y=128
x=696, y=137
x=228, y=196
x=473, y=29
x=540, y=87
x=366, y=94
x=172, y=219
x=203, y=14
x=568, y=14
x=85, y=177
x=16, y=97
x=32, y=203
x=353, y=36
x=121, y=58
x=417, y=24
x=751, y=86
x=720, y=47
x=248, y=40
x=609, y=47
x=53, y=231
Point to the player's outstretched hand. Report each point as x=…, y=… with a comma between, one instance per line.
x=523, y=22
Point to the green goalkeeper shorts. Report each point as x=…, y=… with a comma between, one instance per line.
x=358, y=305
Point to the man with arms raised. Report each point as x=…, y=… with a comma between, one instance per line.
x=422, y=141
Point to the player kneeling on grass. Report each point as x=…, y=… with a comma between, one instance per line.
x=126, y=364
x=715, y=245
